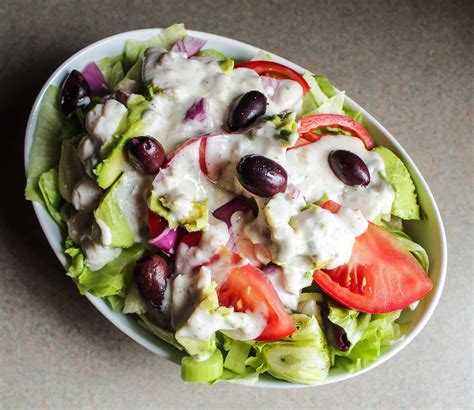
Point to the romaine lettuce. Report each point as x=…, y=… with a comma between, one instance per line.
x=113, y=279
x=48, y=185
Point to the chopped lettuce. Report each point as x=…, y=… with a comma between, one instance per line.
x=196, y=220
x=328, y=89
x=301, y=358
x=51, y=128
x=70, y=168
x=164, y=39
x=286, y=126
x=367, y=337
x=134, y=302
x=113, y=279
x=48, y=185
x=132, y=81
x=112, y=70
x=227, y=65
x=116, y=302
x=405, y=204
x=214, y=54
x=163, y=334
x=315, y=97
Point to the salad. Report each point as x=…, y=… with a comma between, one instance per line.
x=238, y=209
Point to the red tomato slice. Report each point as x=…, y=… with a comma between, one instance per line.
x=246, y=288
x=318, y=121
x=380, y=277
x=275, y=70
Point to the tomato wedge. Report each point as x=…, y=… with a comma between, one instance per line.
x=380, y=277
x=247, y=289
x=318, y=121
x=275, y=70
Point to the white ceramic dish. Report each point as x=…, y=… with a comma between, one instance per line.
x=429, y=232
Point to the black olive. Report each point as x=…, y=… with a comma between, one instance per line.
x=151, y=276
x=75, y=93
x=261, y=175
x=146, y=154
x=349, y=168
x=246, y=110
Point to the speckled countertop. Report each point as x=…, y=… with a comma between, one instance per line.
x=410, y=63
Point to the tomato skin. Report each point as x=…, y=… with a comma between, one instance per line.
x=317, y=121
x=275, y=70
x=247, y=289
x=380, y=277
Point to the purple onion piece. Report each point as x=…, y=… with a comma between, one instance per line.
x=189, y=45
x=197, y=111
x=270, y=85
x=225, y=212
x=335, y=334
x=96, y=80
x=166, y=240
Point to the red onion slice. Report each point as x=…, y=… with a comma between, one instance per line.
x=96, y=80
x=166, y=240
x=189, y=45
x=225, y=212
x=197, y=111
x=270, y=85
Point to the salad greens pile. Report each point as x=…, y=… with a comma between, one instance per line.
x=307, y=355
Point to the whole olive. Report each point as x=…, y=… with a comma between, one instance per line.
x=75, y=93
x=151, y=276
x=261, y=175
x=246, y=110
x=146, y=154
x=349, y=168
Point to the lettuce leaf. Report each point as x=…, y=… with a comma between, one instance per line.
x=303, y=357
x=113, y=279
x=163, y=334
x=367, y=337
x=328, y=89
x=70, y=168
x=112, y=69
x=48, y=186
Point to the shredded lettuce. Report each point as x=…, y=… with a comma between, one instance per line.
x=112, y=70
x=51, y=128
x=48, y=185
x=113, y=279
x=134, y=302
x=301, y=358
x=163, y=334
x=70, y=168
x=368, y=337
x=214, y=54
x=405, y=204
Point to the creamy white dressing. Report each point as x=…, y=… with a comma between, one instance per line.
x=103, y=120
x=86, y=194
x=309, y=170
x=106, y=233
x=182, y=82
x=202, y=322
x=97, y=255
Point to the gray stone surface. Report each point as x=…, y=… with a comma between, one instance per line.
x=410, y=63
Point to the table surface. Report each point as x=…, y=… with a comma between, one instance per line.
x=409, y=63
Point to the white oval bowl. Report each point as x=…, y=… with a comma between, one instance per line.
x=428, y=232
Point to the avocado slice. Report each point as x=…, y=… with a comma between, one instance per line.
x=110, y=214
x=405, y=204
x=114, y=159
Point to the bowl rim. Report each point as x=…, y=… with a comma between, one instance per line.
x=43, y=217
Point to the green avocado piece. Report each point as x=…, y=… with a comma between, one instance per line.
x=109, y=213
x=114, y=159
x=405, y=205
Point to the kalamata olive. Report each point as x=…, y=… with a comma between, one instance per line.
x=120, y=95
x=151, y=276
x=146, y=154
x=349, y=168
x=75, y=93
x=335, y=334
x=261, y=175
x=246, y=110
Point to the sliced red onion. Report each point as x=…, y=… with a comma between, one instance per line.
x=189, y=45
x=96, y=80
x=225, y=212
x=270, y=85
x=197, y=111
x=166, y=240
